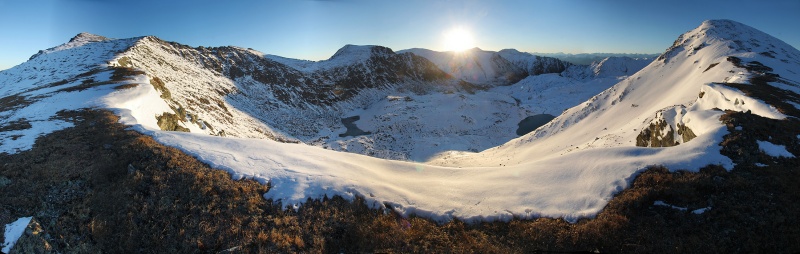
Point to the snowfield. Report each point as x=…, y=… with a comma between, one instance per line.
x=569, y=168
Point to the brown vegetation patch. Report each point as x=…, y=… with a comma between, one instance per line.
x=710, y=66
x=13, y=102
x=19, y=124
x=119, y=74
x=771, y=95
x=125, y=73
x=70, y=80
x=762, y=90
x=85, y=84
x=221, y=105
x=90, y=72
x=124, y=61
x=161, y=87
x=126, y=86
x=98, y=187
x=746, y=128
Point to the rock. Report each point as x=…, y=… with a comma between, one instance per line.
x=4, y=181
x=33, y=240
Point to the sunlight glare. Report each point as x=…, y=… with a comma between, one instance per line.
x=458, y=39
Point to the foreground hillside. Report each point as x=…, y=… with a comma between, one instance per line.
x=97, y=187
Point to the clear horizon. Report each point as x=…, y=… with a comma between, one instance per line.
x=314, y=30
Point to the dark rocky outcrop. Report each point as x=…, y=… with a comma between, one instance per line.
x=661, y=134
x=170, y=122
x=33, y=240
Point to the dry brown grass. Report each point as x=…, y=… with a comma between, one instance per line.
x=98, y=187
x=126, y=86
x=19, y=124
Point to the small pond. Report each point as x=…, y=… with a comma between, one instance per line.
x=352, y=129
x=530, y=123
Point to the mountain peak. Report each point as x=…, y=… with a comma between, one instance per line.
x=727, y=37
x=351, y=49
x=76, y=41
x=727, y=29
x=721, y=22
x=361, y=52
x=87, y=37
x=512, y=51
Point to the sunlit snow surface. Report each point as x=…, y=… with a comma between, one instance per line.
x=59, y=63
x=773, y=149
x=569, y=168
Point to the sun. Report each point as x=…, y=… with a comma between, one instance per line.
x=458, y=39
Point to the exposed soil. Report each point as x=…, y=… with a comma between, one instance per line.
x=98, y=187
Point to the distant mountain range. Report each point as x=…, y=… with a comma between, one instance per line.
x=589, y=58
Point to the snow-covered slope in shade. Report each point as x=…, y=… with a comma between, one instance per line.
x=619, y=66
x=533, y=64
x=609, y=67
x=473, y=65
x=347, y=55
x=569, y=168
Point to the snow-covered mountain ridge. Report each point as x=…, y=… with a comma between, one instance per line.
x=479, y=66
x=609, y=67
x=406, y=106
x=241, y=92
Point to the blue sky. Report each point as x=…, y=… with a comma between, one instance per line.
x=314, y=30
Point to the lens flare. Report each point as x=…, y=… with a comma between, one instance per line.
x=458, y=39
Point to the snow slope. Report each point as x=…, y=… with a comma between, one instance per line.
x=614, y=118
x=609, y=67
x=44, y=82
x=534, y=64
x=416, y=127
x=473, y=65
x=569, y=168
x=347, y=55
